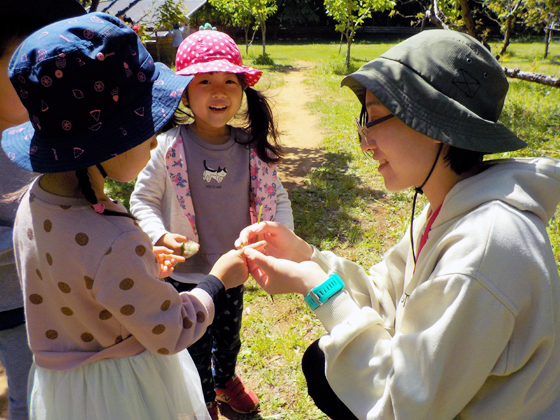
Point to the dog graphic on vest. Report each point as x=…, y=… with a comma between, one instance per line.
x=217, y=174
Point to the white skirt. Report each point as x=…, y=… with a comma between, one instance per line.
x=147, y=386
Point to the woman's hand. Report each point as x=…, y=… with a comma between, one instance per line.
x=281, y=242
x=277, y=276
x=166, y=260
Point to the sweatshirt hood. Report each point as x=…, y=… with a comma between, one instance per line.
x=527, y=184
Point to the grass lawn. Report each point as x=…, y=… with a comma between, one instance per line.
x=344, y=207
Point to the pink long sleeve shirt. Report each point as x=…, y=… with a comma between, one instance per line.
x=90, y=286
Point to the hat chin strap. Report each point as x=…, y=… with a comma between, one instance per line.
x=418, y=190
x=104, y=174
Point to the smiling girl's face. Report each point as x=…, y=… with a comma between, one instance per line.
x=214, y=99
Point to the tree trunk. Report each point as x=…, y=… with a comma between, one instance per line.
x=469, y=21
x=94, y=4
x=263, y=31
x=547, y=32
x=507, y=36
x=247, y=40
x=349, y=33
x=532, y=77
x=348, y=52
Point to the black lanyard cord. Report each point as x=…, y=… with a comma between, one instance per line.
x=418, y=190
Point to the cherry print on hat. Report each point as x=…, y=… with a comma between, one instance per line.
x=210, y=51
x=92, y=92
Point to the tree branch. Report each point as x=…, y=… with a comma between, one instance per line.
x=434, y=15
x=532, y=77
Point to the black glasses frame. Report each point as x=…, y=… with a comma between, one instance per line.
x=362, y=129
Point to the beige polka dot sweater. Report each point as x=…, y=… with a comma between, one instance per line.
x=91, y=289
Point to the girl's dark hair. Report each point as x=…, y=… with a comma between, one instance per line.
x=259, y=123
x=459, y=160
x=87, y=190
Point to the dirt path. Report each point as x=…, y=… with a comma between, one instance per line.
x=300, y=138
x=301, y=134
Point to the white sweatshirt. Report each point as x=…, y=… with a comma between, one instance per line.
x=474, y=331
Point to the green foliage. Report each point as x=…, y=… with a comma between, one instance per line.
x=298, y=12
x=238, y=16
x=170, y=13
x=242, y=11
x=141, y=31
x=350, y=15
x=265, y=60
x=120, y=190
x=541, y=13
x=501, y=10
x=209, y=13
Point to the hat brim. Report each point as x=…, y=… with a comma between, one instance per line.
x=216, y=66
x=421, y=107
x=129, y=128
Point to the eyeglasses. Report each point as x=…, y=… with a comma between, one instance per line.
x=363, y=130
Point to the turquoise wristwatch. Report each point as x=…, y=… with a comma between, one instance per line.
x=320, y=294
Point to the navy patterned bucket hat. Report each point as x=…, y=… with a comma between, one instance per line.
x=92, y=92
x=444, y=84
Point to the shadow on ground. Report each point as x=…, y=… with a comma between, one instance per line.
x=297, y=163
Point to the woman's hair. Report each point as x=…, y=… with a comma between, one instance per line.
x=459, y=160
x=462, y=160
x=259, y=123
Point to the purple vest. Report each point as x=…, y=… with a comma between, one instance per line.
x=263, y=185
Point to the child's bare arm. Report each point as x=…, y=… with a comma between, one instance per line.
x=232, y=268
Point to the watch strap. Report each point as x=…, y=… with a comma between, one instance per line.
x=323, y=292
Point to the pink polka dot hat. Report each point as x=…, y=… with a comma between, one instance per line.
x=208, y=51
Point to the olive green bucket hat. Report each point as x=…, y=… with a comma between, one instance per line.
x=443, y=84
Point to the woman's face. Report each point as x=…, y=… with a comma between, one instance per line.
x=12, y=111
x=405, y=156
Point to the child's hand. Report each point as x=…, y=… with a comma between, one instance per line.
x=232, y=269
x=179, y=244
x=277, y=276
x=166, y=260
